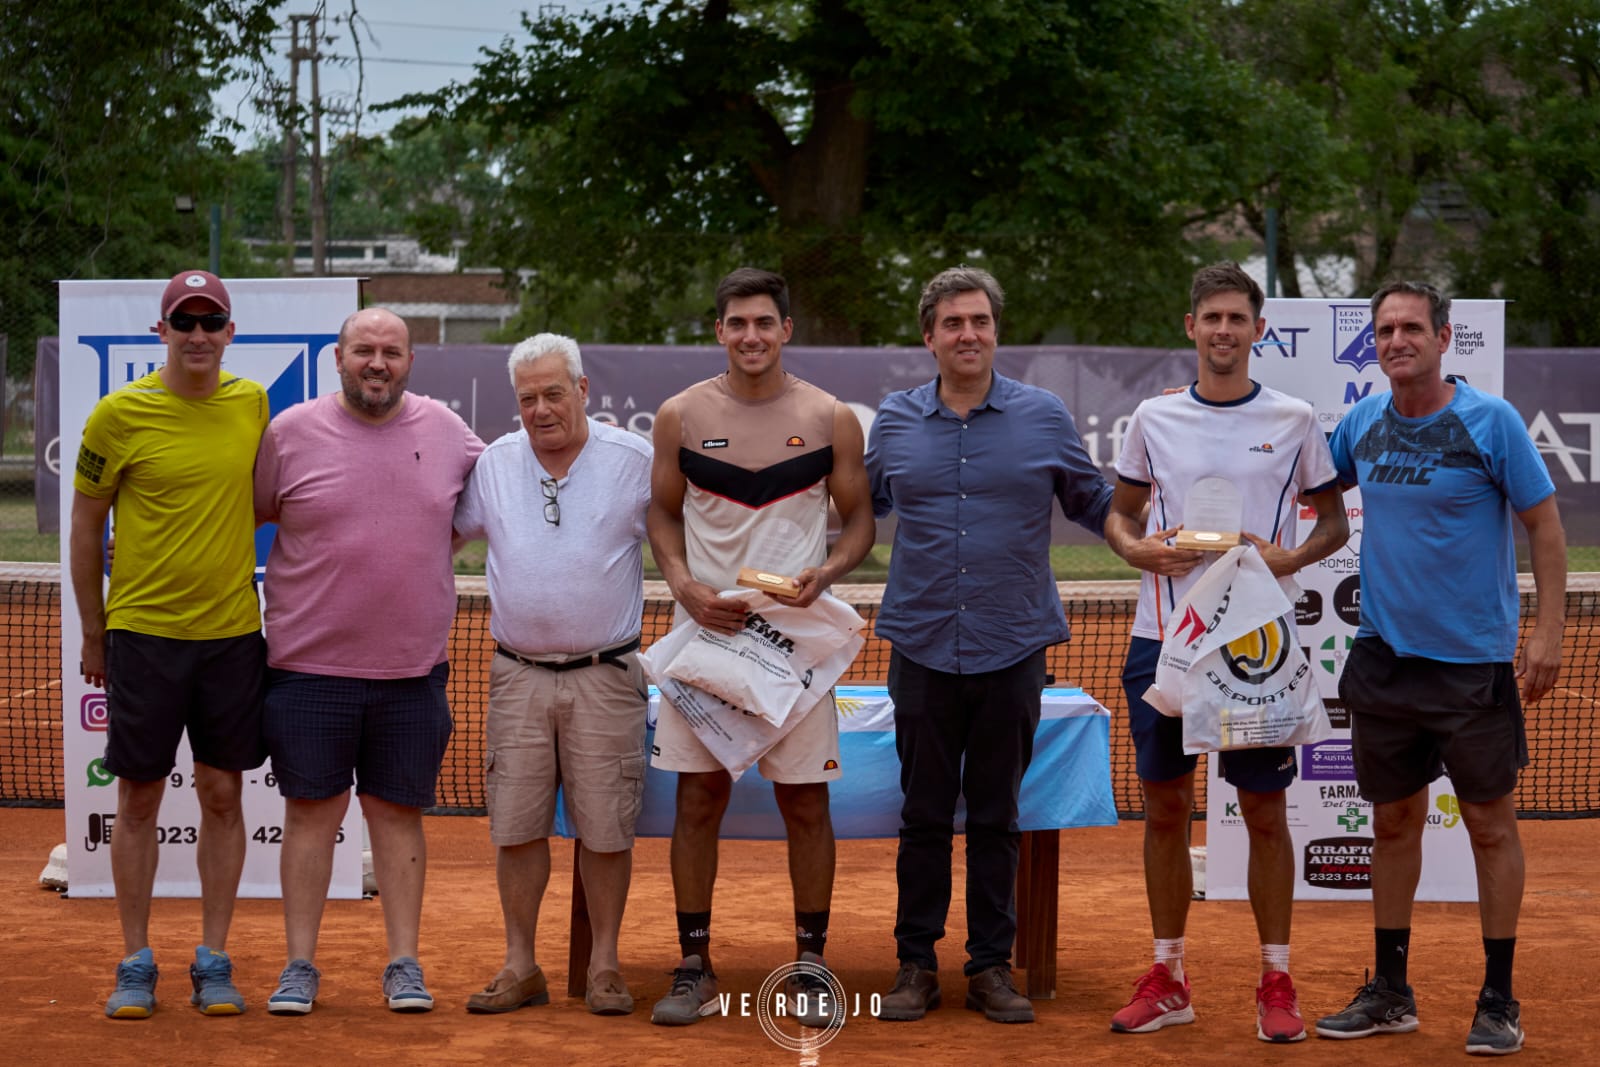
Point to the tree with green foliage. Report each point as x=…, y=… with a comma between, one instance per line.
x=421, y=180
x=107, y=109
x=1075, y=148
x=1534, y=183
x=1462, y=145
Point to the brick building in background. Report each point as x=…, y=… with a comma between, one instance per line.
x=440, y=302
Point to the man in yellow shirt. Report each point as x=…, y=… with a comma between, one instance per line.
x=177, y=645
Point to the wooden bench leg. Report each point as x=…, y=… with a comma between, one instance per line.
x=1038, y=894
x=580, y=936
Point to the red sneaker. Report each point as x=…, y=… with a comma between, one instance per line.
x=1277, y=1011
x=1157, y=1001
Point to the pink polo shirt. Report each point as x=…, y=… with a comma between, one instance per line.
x=359, y=580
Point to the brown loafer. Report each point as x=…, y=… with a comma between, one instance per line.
x=608, y=995
x=508, y=993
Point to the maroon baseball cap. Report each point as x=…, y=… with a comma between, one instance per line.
x=189, y=284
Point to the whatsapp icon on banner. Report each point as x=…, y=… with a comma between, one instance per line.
x=97, y=773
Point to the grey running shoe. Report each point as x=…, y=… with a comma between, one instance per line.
x=692, y=996
x=1376, y=1009
x=1497, y=1027
x=135, y=996
x=809, y=995
x=402, y=984
x=212, y=975
x=297, y=989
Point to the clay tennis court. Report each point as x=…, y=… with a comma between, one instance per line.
x=58, y=954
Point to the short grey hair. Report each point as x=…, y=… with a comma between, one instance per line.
x=546, y=344
x=954, y=282
x=1438, y=303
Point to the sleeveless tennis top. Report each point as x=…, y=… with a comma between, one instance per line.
x=757, y=475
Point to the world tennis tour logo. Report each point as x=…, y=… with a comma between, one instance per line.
x=801, y=1006
x=93, y=712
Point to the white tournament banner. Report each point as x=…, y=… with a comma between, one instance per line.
x=285, y=335
x=1325, y=352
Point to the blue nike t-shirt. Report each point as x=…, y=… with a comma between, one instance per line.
x=1438, y=564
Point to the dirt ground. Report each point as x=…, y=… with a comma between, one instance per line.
x=57, y=957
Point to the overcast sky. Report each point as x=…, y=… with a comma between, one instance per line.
x=407, y=46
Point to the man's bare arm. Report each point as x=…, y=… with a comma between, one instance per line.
x=1539, y=659
x=87, y=559
x=664, y=523
x=1327, y=537
x=852, y=499
x=1124, y=525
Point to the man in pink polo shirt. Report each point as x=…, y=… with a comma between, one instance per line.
x=360, y=596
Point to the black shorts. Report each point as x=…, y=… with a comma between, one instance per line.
x=1412, y=719
x=158, y=687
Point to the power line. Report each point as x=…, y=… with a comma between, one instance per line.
x=435, y=26
x=410, y=62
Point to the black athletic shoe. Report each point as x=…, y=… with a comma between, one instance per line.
x=1376, y=1009
x=1497, y=1027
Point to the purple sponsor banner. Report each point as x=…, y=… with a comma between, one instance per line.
x=627, y=384
x=1333, y=760
x=1101, y=387
x=1554, y=390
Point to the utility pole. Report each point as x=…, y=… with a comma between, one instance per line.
x=319, y=199
x=291, y=147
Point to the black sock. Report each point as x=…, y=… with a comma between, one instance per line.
x=1498, y=954
x=810, y=931
x=1393, y=947
x=694, y=935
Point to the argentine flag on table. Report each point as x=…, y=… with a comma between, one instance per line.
x=1068, y=783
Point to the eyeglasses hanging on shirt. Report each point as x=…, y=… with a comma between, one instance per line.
x=552, y=508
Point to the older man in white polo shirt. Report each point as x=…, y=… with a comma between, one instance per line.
x=562, y=504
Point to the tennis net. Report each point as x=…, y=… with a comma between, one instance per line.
x=1562, y=781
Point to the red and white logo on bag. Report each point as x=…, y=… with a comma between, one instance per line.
x=1192, y=625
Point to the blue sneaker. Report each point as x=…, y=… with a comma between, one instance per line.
x=402, y=984
x=297, y=989
x=135, y=996
x=212, y=975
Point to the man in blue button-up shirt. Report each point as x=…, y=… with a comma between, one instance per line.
x=971, y=462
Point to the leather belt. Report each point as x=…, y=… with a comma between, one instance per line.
x=608, y=655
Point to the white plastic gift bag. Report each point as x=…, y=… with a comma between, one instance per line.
x=769, y=666
x=736, y=737
x=1231, y=664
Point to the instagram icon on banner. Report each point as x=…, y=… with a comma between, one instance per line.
x=96, y=716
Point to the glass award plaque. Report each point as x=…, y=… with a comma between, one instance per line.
x=1213, y=516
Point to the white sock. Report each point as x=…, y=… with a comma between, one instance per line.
x=1169, y=950
x=1274, y=958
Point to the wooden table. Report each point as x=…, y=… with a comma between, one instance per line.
x=1038, y=895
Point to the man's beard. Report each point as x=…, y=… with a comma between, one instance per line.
x=368, y=405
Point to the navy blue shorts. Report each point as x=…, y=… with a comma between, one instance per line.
x=158, y=687
x=385, y=736
x=1413, y=718
x=1158, y=738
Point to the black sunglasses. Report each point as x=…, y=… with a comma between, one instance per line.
x=211, y=322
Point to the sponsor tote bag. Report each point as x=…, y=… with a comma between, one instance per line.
x=1231, y=665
